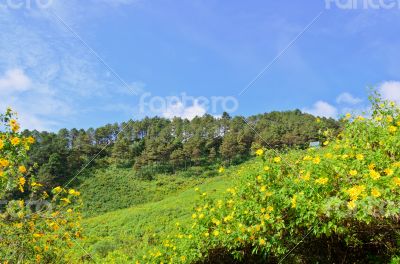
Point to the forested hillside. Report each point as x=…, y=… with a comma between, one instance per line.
x=159, y=145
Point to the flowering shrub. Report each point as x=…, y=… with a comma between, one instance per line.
x=35, y=226
x=348, y=191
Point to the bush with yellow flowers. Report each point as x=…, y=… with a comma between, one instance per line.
x=35, y=226
x=339, y=202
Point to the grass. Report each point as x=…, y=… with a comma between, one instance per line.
x=123, y=234
x=113, y=189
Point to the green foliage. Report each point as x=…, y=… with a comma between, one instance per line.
x=35, y=226
x=158, y=145
x=344, y=195
x=116, y=188
x=119, y=236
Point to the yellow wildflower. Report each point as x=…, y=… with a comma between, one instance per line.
x=31, y=140
x=259, y=152
x=317, y=160
x=216, y=233
x=15, y=141
x=375, y=192
x=392, y=129
x=374, y=174
x=4, y=163
x=351, y=205
x=22, y=169
x=389, y=172
x=360, y=157
x=277, y=159
x=1, y=144
x=397, y=181
x=294, y=201
x=322, y=180
x=262, y=242
x=353, y=172
x=58, y=189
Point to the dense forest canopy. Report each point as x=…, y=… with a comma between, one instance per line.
x=162, y=145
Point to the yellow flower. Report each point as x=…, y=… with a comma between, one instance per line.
x=375, y=192
x=221, y=170
x=35, y=184
x=360, y=157
x=259, y=152
x=183, y=258
x=263, y=188
x=374, y=174
x=206, y=234
x=270, y=208
x=306, y=177
x=194, y=216
x=389, y=172
x=22, y=181
x=1, y=144
x=396, y=181
x=262, y=242
x=294, y=201
x=4, y=163
x=22, y=169
x=322, y=181
x=15, y=141
x=14, y=125
x=65, y=200
x=58, y=189
x=30, y=140
x=389, y=119
x=317, y=160
x=277, y=159
x=216, y=233
x=353, y=172
x=351, y=205
x=266, y=168
x=356, y=191
x=392, y=129
x=348, y=116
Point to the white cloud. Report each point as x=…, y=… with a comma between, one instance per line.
x=322, y=109
x=390, y=91
x=14, y=80
x=347, y=98
x=180, y=110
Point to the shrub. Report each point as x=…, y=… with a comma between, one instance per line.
x=343, y=195
x=35, y=226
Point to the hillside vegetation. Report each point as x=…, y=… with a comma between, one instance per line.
x=119, y=236
x=335, y=204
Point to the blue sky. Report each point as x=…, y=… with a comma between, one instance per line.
x=73, y=64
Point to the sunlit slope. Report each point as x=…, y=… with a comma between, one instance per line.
x=127, y=232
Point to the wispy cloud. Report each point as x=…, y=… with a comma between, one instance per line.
x=322, y=109
x=390, y=90
x=14, y=80
x=180, y=110
x=45, y=72
x=347, y=98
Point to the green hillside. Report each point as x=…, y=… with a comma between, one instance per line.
x=124, y=234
